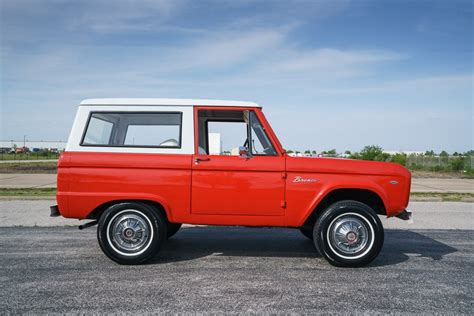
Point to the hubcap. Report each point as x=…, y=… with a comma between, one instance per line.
x=349, y=235
x=129, y=232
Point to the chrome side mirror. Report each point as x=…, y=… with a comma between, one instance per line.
x=244, y=152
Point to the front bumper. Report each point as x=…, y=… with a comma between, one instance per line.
x=406, y=215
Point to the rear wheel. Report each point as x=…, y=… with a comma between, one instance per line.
x=172, y=229
x=348, y=234
x=130, y=232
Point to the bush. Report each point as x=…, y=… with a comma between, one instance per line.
x=400, y=159
x=437, y=168
x=457, y=164
x=414, y=166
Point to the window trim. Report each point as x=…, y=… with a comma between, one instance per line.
x=249, y=131
x=266, y=134
x=82, y=144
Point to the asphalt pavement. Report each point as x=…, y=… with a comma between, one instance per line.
x=229, y=270
x=425, y=267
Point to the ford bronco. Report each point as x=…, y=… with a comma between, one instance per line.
x=140, y=168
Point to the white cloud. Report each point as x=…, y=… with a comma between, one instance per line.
x=105, y=16
x=337, y=89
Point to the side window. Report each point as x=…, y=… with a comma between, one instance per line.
x=225, y=138
x=121, y=129
x=99, y=131
x=222, y=132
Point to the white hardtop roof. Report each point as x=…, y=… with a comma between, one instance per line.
x=170, y=102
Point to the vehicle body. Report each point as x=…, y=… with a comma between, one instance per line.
x=155, y=154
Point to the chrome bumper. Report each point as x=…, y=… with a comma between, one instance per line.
x=406, y=215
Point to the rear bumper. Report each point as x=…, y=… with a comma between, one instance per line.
x=406, y=215
x=54, y=211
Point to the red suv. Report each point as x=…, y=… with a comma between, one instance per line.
x=140, y=168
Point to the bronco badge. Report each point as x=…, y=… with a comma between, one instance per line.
x=299, y=179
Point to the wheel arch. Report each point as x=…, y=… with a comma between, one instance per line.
x=363, y=195
x=97, y=212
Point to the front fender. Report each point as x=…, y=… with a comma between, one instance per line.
x=303, y=198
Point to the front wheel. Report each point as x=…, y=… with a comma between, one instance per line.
x=307, y=231
x=131, y=233
x=348, y=234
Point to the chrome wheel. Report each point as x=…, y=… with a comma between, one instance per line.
x=129, y=232
x=350, y=235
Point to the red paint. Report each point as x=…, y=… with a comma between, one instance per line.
x=222, y=190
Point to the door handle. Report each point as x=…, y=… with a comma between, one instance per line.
x=197, y=160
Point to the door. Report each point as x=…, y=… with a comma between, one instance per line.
x=237, y=170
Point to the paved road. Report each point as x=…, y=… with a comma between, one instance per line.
x=418, y=184
x=235, y=269
x=202, y=269
x=442, y=185
x=25, y=180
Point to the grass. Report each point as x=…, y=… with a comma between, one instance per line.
x=28, y=167
x=33, y=192
x=444, y=196
x=29, y=156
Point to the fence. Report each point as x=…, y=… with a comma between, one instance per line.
x=440, y=162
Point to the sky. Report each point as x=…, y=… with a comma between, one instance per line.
x=329, y=74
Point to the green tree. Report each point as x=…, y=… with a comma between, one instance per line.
x=372, y=152
x=289, y=151
x=307, y=152
x=331, y=152
x=444, y=153
x=430, y=153
x=347, y=152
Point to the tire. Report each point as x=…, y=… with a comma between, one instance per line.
x=348, y=234
x=307, y=231
x=131, y=232
x=172, y=229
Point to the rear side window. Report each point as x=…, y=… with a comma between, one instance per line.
x=125, y=129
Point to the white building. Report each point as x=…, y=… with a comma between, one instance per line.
x=407, y=152
x=215, y=144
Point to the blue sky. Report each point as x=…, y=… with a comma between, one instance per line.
x=329, y=74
